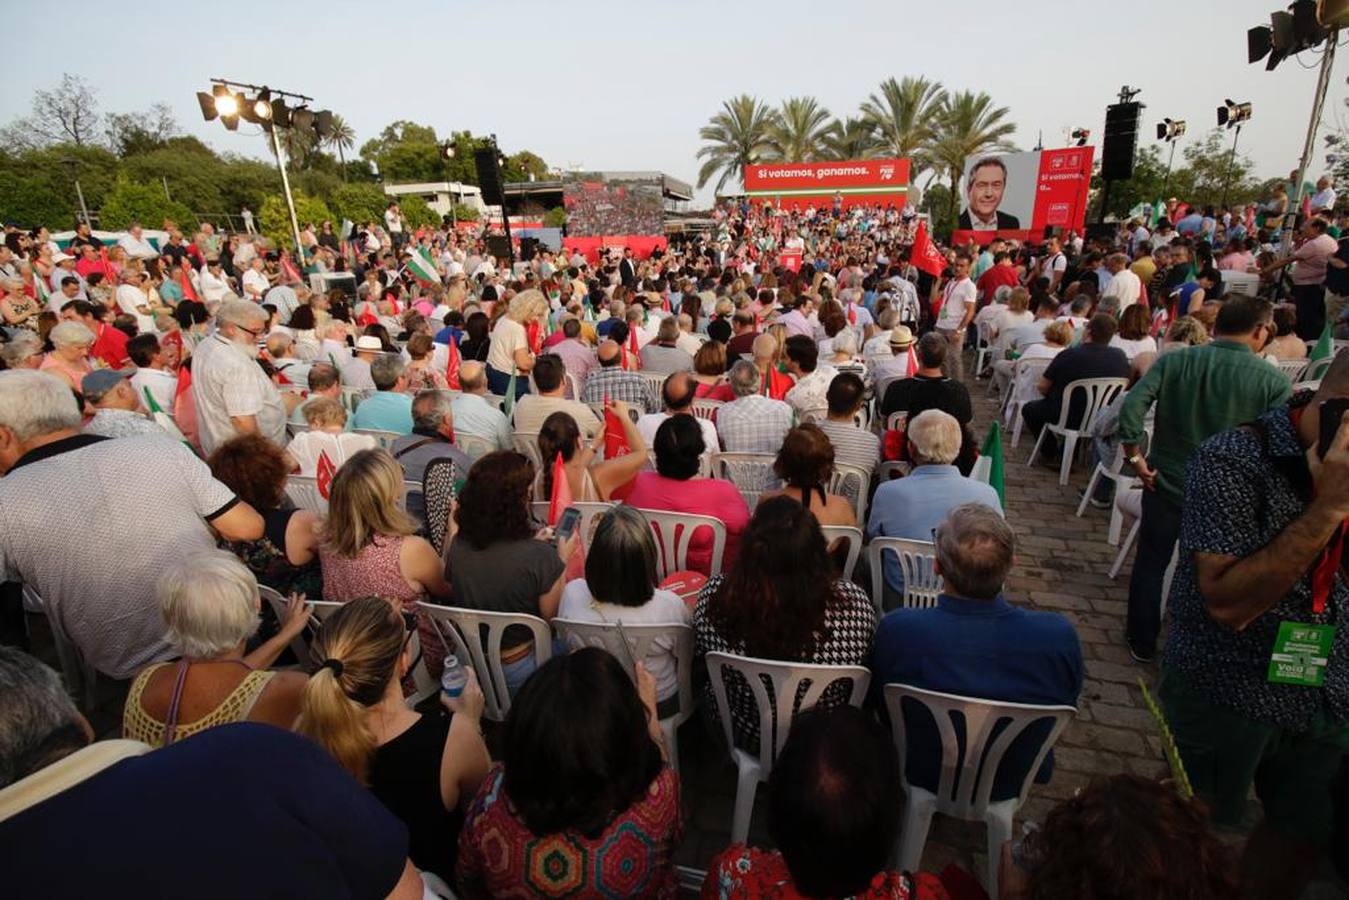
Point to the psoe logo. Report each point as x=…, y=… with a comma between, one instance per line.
x=1056, y=162
x=887, y=173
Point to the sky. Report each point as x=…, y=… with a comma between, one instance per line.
x=627, y=85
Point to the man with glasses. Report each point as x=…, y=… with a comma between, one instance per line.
x=231, y=392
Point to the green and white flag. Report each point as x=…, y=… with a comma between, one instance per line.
x=422, y=268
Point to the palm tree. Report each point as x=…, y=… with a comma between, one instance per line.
x=735, y=137
x=850, y=139
x=800, y=130
x=903, y=114
x=968, y=125
x=341, y=138
x=297, y=143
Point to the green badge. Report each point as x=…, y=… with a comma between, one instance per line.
x=1301, y=652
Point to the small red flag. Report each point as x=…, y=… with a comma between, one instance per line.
x=452, y=367
x=323, y=476
x=367, y=315
x=633, y=348
x=852, y=314
x=560, y=497
x=912, y=365
x=615, y=437
x=189, y=293
x=289, y=271
x=534, y=334
x=924, y=255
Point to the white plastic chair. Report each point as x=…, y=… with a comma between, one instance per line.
x=299, y=645
x=1099, y=392
x=527, y=442
x=776, y=714
x=461, y=630
x=642, y=642
x=424, y=685
x=922, y=584
x=1113, y=472
x=294, y=428
x=303, y=491
x=852, y=482
x=983, y=347
x=751, y=473
x=655, y=380
x=573, y=388
x=706, y=409
x=967, y=768
x=1292, y=368
x=1026, y=371
x=474, y=447
x=385, y=439
x=81, y=678
x=674, y=534
x=495, y=400
x=853, y=537
x=815, y=414
x=1315, y=371
x=352, y=397
x=590, y=511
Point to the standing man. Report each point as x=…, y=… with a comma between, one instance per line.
x=1309, y=262
x=1323, y=201
x=1124, y=287
x=1255, y=675
x=957, y=311
x=1198, y=392
x=393, y=223
x=1054, y=264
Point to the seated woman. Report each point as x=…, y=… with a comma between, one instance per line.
x=805, y=463
x=419, y=373
x=69, y=358
x=673, y=487
x=583, y=773
x=709, y=370
x=588, y=480
x=327, y=421
x=285, y=558
x=620, y=586
x=833, y=814
x=424, y=767
x=1133, y=337
x=368, y=546
x=498, y=562
x=1286, y=344
x=1008, y=320
x=1024, y=378
x=210, y=605
x=781, y=601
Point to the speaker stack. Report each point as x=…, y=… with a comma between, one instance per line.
x=1121, y=141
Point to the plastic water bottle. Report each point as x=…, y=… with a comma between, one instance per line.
x=453, y=679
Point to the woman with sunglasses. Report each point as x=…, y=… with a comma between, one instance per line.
x=424, y=767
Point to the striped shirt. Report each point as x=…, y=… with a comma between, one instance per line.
x=753, y=424
x=853, y=446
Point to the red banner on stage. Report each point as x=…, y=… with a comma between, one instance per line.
x=791, y=261
x=1019, y=195
x=855, y=182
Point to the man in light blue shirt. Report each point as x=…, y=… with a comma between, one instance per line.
x=388, y=409
x=911, y=507
x=474, y=416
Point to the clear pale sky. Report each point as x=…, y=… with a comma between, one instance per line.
x=614, y=85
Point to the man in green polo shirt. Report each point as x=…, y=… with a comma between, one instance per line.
x=1198, y=392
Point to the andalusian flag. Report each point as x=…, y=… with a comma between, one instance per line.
x=40, y=292
x=1158, y=210
x=422, y=268
x=509, y=403
x=1325, y=346
x=992, y=448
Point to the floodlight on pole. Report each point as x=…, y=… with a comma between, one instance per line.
x=1232, y=115
x=1081, y=135
x=1169, y=130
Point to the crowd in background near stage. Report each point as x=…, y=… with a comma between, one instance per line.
x=166, y=401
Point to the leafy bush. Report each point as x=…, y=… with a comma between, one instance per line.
x=274, y=218
x=465, y=213
x=131, y=201
x=358, y=202
x=416, y=212
x=555, y=217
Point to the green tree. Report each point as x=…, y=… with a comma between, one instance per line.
x=359, y=203
x=342, y=138
x=735, y=137
x=416, y=212
x=130, y=201
x=904, y=114
x=520, y=166
x=968, y=125
x=850, y=139
x=406, y=152
x=799, y=130
x=1211, y=166
x=937, y=204
x=555, y=217
x=465, y=213
x=274, y=218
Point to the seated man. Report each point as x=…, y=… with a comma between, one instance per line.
x=356, y=373
x=119, y=412
x=153, y=381
x=678, y=393
x=974, y=643
x=613, y=382
x=884, y=370
x=432, y=438
x=930, y=388
x=389, y=408
x=1094, y=358
x=664, y=354
x=318, y=831
x=532, y=409
x=853, y=446
x=474, y=415
x=752, y=423
x=324, y=381
x=911, y=507
x=812, y=377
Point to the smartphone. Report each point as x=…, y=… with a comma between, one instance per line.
x=1332, y=413
x=566, y=523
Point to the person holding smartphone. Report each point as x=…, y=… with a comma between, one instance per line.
x=1255, y=673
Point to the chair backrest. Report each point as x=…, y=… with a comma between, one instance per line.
x=303, y=491
x=591, y=512
x=527, y=442
x=852, y=482
x=816, y=414
x=852, y=537
x=299, y=645
x=494, y=400
x=1235, y=282
x=438, y=497
x=674, y=533
x=751, y=473
x=296, y=428
x=474, y=447
x=1292, y=368
x=573, y=387
x=968, y=766
x=352, y=397
x=778, y=710
x=656, y=380
x=922, y=584
x=1099, y=392
x=706, y=409
x=1315, y=371
x=641, y=642
x=462, y=630
x=384, y=438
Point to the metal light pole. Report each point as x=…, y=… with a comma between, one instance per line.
x=290, y=200
x=1231, y=160
x=1319, y=101
x=1171, y=158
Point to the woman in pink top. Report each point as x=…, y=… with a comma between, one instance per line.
x=69, y=360
x=673, y=488
x=369, y=547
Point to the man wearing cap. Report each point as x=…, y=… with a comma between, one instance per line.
x=65, y=268
x=356, y=374
x=119, y=412
x=896, y=365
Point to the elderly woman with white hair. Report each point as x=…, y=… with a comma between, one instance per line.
x=517, y=338
x=69, y=359
x=17, y=309
x=845, y=358
x=22, y=351
x=210, y=604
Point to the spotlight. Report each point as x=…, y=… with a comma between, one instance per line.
x=1259, y=41
x=280, y=113
x=262, y=107
x=1170, y=129
x=323, y=123
x=447, y=150
x=207, y=102
x=302, y=117
x=1081, y=135
x=1233, y=114
x=226, y=104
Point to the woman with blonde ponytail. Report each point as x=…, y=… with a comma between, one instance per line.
x=424, y=768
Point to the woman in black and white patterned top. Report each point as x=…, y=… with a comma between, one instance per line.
x=781, y=602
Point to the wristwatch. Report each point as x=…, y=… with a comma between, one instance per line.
x=1135, y=459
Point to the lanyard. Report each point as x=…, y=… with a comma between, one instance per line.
x=1323, y=574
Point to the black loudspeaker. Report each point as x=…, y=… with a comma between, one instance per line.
x=528, y=247
x=489, y=175
x=499, y=246
x=1121, y=140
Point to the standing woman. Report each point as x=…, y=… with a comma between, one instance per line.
x=516, y=340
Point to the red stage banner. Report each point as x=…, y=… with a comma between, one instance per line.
x=1019, y=195
x=856, y=182
x=642, y=245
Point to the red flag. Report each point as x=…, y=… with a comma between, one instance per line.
x=288, y=270
x=615, y=437
x=924, y=254
x=852, y=314
x=452, y=367
x=533, y=334
x=911, y=366
x=560, y=498
x=777, y=384
x=367, y=315
x=184, y=377
x=633, y=348
x=189, y=293
x=323, y=476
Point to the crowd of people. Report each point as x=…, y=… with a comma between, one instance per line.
x=161, y=400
